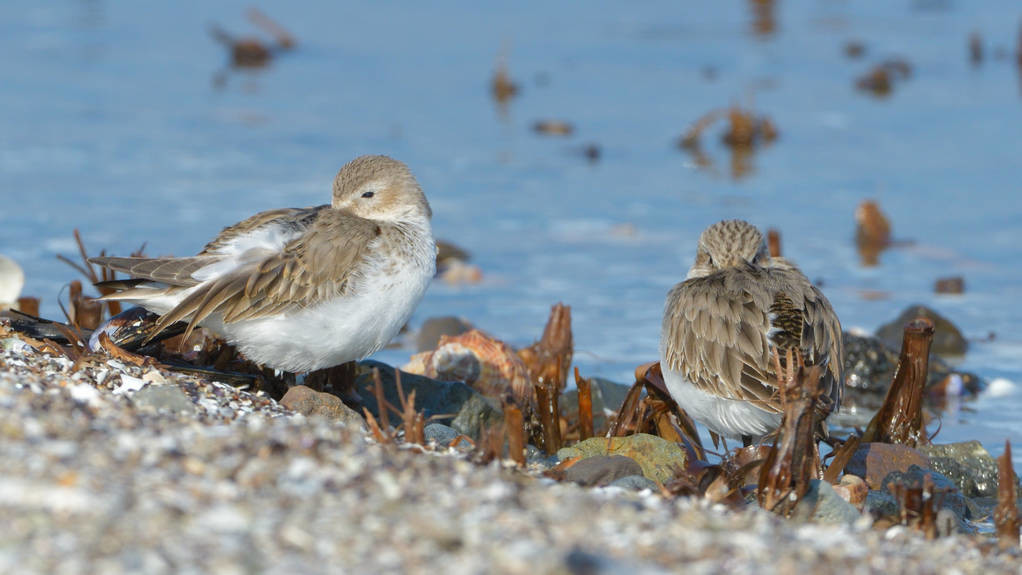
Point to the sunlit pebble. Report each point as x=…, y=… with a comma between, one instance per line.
x=1000, y=387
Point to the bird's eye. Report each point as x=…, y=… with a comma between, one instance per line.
x=367, y=194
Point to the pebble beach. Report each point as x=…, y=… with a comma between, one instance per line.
x=114, y=468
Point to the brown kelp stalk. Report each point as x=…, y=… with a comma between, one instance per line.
x=794, y=459
x=900, y=418
x=547, y=362
x=585, y=406
x=1006, y=514
x=514, y=427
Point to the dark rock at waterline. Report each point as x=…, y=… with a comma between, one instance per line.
x=601, y=470
x=947, y=338
x=435, y=327
x=870, y=367
x=967, y=464
x=457, y=404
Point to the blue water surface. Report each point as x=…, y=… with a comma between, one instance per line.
x=123, y=119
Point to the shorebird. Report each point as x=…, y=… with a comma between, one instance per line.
x=723, y=323
x=300, y=289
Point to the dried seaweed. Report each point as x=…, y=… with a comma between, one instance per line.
x=900, y=418
x=585, y=406
x=794, y=459
x=1006, y=513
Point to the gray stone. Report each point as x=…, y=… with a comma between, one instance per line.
x=821, y=504
x=947, y=339
x=601, y=470
x=445, y=435
x=967, y=464
x=881, y=504
x=433, y=328
x=476, y=414
x=164, y=398
x=635, y=483
x=440, y=433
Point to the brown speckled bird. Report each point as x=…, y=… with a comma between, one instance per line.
x=721, y=327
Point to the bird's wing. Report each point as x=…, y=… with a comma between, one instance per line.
x=272, y=227
x=265, y=232
x=170, y=271
x=715, y=334
x=721, y=330
x=319, y=264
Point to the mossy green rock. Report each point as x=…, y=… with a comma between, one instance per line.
x=657, y=457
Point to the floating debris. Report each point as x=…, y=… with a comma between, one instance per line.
x=872, y=232
x=254, y=52
x=975, y=48
x=745, y=132
x=764, y=22
x=854, y=49
x=553, y=128
x=502, y=88
x=950, y=285
x=880, y=79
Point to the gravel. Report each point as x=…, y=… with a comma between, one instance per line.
x=102, y=476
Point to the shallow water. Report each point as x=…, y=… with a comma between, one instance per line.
x=111, y=121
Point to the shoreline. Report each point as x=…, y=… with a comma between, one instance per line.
x=105, y=476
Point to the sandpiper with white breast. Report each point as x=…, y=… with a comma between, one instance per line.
x=300, y=289
x=723, y=323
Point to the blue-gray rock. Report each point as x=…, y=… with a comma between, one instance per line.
x=444, y=435
x=947, y=339
x=601, y=470
x=821, y=504
x=635, y=483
